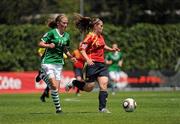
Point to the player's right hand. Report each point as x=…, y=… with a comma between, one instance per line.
x=90, y=62
x=51, y=45
x=73, y=59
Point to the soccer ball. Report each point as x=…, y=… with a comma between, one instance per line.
x=129, y=105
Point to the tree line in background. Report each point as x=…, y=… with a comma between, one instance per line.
x=129, y=12
x=148, y=31
x=119, y=12
x=145, y=46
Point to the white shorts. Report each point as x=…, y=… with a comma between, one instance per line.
x=53, y=70
x=115, y=75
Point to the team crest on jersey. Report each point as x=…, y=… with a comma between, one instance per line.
x=84, y=46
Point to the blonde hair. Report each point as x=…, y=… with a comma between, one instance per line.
x=53, y=23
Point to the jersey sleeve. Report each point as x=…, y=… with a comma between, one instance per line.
x=67, y=45
x=122, y=55
x=47, y=37
x=86, y=42
x=107, y=57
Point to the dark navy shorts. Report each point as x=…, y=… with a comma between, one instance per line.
x=78, y=72
x=94, y=71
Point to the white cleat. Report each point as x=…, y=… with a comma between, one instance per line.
x=113, y=93
x=104, y=110
x=69, y=85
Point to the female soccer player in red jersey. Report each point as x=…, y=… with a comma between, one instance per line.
x=92, y=49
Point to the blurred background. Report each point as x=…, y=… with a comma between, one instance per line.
x=147, y=31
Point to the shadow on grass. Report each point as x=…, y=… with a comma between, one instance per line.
x=80, y=112
x=40, y=113
x=45, y=113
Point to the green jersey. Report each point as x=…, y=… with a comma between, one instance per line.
x=115, y=57
x=55, y=55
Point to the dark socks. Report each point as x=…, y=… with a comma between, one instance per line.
x=77, y=91
x=102, y=99
x=46, y=91
x=79, y=84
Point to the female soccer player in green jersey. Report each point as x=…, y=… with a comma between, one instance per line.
x=45, y=93
x=115, y=61
x=56, y=41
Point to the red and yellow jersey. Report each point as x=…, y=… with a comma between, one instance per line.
x=80, y=59
x=94, y=45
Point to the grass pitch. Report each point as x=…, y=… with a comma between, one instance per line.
x=153, y=107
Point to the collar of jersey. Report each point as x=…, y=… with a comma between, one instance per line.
x=61, y=35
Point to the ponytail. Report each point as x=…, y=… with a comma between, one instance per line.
x=83, y=23
x=53, y=23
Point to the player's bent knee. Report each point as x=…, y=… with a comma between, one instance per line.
x=89, y=87
x=53, y=87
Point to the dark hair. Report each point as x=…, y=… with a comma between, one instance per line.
x=113, y=42
x=84, y=24
x=53, y=23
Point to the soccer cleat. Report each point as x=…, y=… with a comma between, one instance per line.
x=69, y=85
x=59, y=111
x=37, y=79
x=78, y=94
x=113, y=93
x=46, y=93
x=104, y=110
x=42, y=98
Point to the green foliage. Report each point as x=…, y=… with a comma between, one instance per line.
x=124, y=12
x=128, y=12
x=33, y=11
x=146, y=46
x=19, y=47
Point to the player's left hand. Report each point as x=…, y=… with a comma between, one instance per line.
x=73, y=59
x=116, y=49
